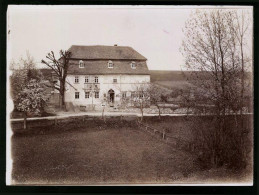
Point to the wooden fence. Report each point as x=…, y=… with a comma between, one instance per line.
x=167, y=137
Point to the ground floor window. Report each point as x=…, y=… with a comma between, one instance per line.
x=87, y=94
x=96, y=94
x=76, y=95
x=124, y=94
x=133, y=94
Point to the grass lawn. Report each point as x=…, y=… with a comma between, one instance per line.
x=97, y=156
x=94, y=152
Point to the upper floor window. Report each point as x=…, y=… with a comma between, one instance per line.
x=76, y=95
x=115, y=80
x=81, y=64
x=76, y=79
x=96, y=80
x=110, y=64
x=86, y=79
x=133, y=65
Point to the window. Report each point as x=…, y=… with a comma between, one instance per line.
x=76, y=95
x=76, y=79
x=110, y=64
x=96, y=94
x=124, y=94
x=81, y=64
x=96, y=79
x=133, y=65
x=141, y=95
x=115, y=80
x=86, y=80
x=87, y=94
x=133, y=94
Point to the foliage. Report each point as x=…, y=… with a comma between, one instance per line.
x=32, y=98
x=22, y=72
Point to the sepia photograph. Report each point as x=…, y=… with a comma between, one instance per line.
x=129, y=95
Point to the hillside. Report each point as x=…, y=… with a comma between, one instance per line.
x=161, y=75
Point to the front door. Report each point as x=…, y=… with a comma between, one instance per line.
x=111, y=97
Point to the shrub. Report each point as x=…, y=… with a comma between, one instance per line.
x=216, y=146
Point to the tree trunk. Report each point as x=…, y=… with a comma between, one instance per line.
x=25, y=120
x=103, y=114
x=62, y=94
x=242, y=84
x=159, y=112
x=141, y=109
x=92, y=101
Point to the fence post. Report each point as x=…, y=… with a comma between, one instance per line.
x=55, y=121
x=163, y=134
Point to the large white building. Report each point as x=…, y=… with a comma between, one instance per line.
x=104, y=75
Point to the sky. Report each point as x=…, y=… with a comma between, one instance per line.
x=153, y=31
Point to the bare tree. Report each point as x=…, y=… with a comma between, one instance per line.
x=214, y=54
x=141, y=97
x=156, y=93
x=240, y=21
x=60, y=68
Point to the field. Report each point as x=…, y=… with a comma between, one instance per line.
x=173, y=84
x=111, y=152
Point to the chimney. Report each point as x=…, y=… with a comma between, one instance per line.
x=115, y=45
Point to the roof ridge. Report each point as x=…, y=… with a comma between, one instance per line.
x=98, y=46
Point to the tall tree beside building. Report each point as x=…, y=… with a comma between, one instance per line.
x=60, y=67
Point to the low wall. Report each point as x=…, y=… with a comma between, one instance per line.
x=17, y=126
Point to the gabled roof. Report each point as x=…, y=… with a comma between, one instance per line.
x=101, y=52
x=100, y=67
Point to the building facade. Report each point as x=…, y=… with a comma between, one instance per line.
x=104, y=75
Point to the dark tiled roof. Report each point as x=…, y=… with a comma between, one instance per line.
x=101, y=67
x=105, y=52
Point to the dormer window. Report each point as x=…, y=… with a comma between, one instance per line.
x=110, y=64
x=81, y=64
x=133, y=65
